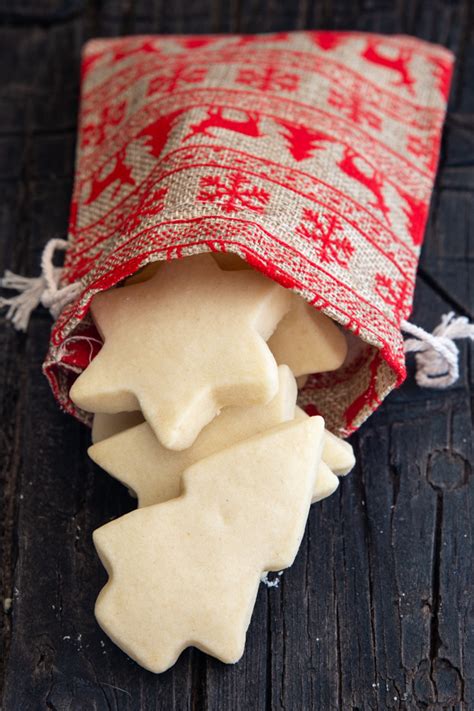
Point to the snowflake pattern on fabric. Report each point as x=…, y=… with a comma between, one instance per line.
x=175, y=78
x=395, y=293
x=234, y=194
x=327, y=235
x=355, y=108
x=268, y=79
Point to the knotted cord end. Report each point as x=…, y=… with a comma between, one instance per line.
x=38, y=290
x=437, y=356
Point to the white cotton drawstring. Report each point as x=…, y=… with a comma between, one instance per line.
x=437, y=356
x=38, y=290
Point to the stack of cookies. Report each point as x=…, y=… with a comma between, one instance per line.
x=194, y=394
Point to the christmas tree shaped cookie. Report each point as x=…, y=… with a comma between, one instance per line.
x=186, y=572
x=337, y=454
x=326, y=483
x=307, y=340
x=182, y=345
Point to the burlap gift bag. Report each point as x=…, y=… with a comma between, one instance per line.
x=309, y=154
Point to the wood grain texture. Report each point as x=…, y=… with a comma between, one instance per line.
x=376, y=613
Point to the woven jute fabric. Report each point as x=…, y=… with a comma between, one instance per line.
x=310, y=154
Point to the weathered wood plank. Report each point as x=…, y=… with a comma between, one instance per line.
x=375, y=612
x=44, y=11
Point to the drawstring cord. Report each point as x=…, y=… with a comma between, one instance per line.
x=42, y=290
x=437, y=356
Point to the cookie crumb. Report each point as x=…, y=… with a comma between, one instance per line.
x=7, y=604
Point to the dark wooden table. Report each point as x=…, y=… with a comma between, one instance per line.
x=376, y=613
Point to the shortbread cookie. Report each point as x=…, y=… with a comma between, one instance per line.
x=326, y=483
x=308, y=341
x=153, y=472
x=182, y=345
x=187, y=572
x=337, y=453
x=305, y=339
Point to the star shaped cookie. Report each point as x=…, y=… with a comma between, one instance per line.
x=307, y=340
x=182, y=345
x=186, y=572
x=337, y=454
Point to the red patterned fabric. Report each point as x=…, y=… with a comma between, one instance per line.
x=310, y=154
